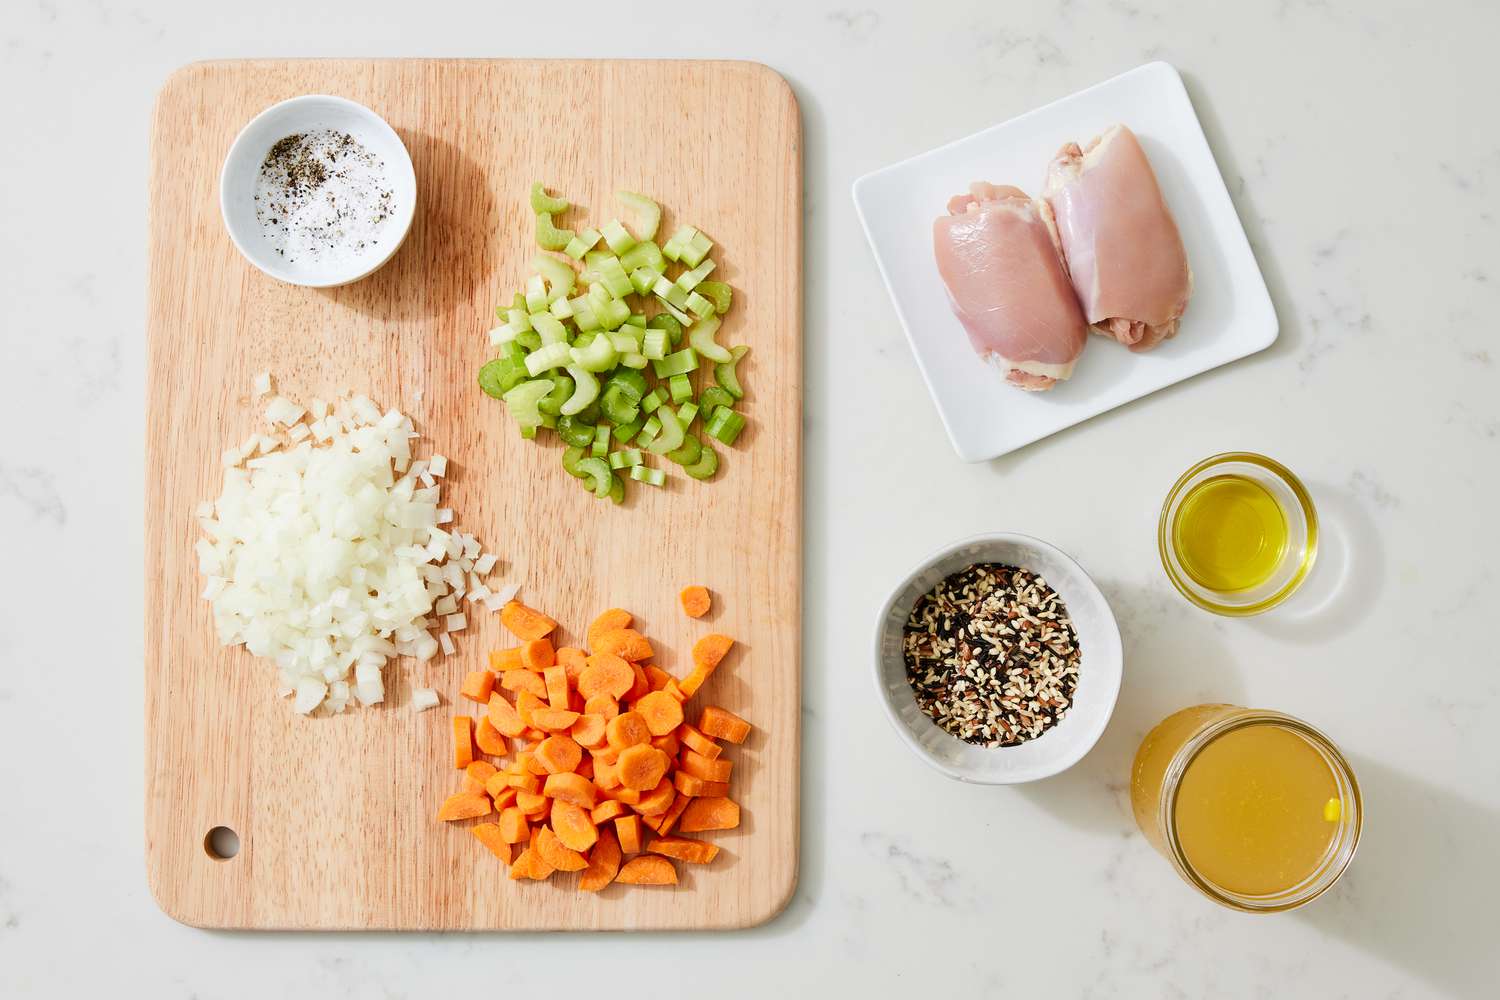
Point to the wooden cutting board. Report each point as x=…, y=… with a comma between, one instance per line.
x=335, y=815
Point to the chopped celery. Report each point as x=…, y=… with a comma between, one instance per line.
x=590, y=413
x=678, y=363
x=654, y=344
x=712, y=398
x=687, y=413
x=633, y=360
x=586, y=390
x=649, y=431
x=522, y=402
x=649, y=212
x=699, y=306
x=517, y=318
x=669, y=324
x=528, y=432
x=613, y=277
x=547, y=357
x=688, y=280
x=633, y=384
x=670, y=438
x=549, y=328
x=600, y=447
x=695, y=249
x=652, y=400
x=530, y=340
x=727, y=376
x=583, y=314
x=643, y=279
x=536, y=294
x=548, y=236
x=674, y=247
x=599, y=474
x=543, y=202
x=649, y=476
x=575, y=432
x=599, y=356
x=624, y=340
x=644, y=254
x=504, y=373
x=617, y=406
x=585, y=339
x=548, y=420
x=701, y=338
x=558, y=276
x=570, y=459
x=688, y=452
x=582, y=243
x=624, y=432
x=680, y=386
x=717, y=292
x=669, y=292
x=625, y=458
x=502, y=334
x=561, y=308
x=725, y=425
x=616, y=490
x=677, y=314
x=637, y=320
x=617, y=236
x=706, y=466
x=562, y=388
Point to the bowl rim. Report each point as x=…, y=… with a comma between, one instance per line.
x=1080, y=747
x=404, y=168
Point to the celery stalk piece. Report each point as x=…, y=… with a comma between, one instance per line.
x=599, y=356
x=625, y=458
x=585, y=391
x=582, y=243
x=623, y=342
x=561, y=309
x=625, y=432
x=674, y=247
x=644, y=254
x=725, y=425
x=617, y=407
x=547, y=357
x=706, y=466
x=617, y=237
x=616, y=490
x=562, y=388
x=613, y=277
x=688, y=280
x=649, y=476
x=529, y=433
x=649, y=430
x=677, y=314
x=631, y=333
x=574, y=431
x=670, y=438
x=687, y=413
x=695, y=249
x=677, y=363
x=536, y=294
x=571, y=457
x=654, y=344
x=681, y=388
x=614, y=314
x=669, y=324
x=558, y=276
x=633, y=360
x=599, y=475
x=637, y=320
x=548, y=420
x=688, y=452
x=701, y=339
x=543, y=202
x=548, y=236
x=699, y=306
x=530, y=340
x=717, y=292
x=518, y=318
x=522, y=402
x=652, y=400
x=502, y=334
x=669, y=292
x=504, y=373
x=712, y=398
x=549, y=328
x=643, y=279
x=600, y=447
x=648, y=213
x=726, y=375
x=583, y=314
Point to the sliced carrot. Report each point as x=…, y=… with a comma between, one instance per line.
x=534, y=734
x=506, y=796
x=667, y=744
x=668, y=819
x=573, y=660
x=604, y=863
x=502, y=660
x=647, y=870
x=710, y=814
x=489, y=836
x=722, y=724
x=527, y=702
x=642, y=767
x=609, y=621
x=708, y=652
x=463, y=741
x=556, y=854
x=662, y=712
x=572, y=788
x=525, y=623
x=629, y=796
x=687, y=784
x=628, y=829
x=606, y=672
x=477, y=774
x=657, y=677
x=557, y=687
x=586, y=768
x=489, y=739
x=534, y=804
x=626, y=730
x=513, y=826
x=537, y=654
x=553, y=720
x=478, y=685
x=606, y=773
x=714, y=790
x=589, y=730
x=695, y=601
x=521, y=867
x=520, y=679
x=706, y=768
x=608, y=810
x=656, y=801
x=694, y=851
x=626, y=643
x=503, y=716
x=573, y=826
x=464, y=805
x=675, y=690
x=558, y=754
x=525, y=782
x=694, y=740
x=605, y=755
x=642, y=685
x=603, y=705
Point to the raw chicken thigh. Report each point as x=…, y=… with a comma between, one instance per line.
x=998, y=255
x=1123, y=250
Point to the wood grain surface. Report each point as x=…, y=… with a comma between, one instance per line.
x=335, y=815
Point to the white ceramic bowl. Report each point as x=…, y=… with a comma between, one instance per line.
x=1099, y=668
x=242, y=166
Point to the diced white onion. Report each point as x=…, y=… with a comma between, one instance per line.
x=485, y=563
x=261, y=384
x=454, y=623
x=423, y=698
x=446, y=643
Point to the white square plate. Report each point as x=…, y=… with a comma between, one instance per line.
x=1230, y=315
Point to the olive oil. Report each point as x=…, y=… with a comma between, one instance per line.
x=1230, y=533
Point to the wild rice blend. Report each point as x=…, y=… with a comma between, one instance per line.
x=992, y=655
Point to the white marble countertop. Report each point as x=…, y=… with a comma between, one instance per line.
x=1362, y=155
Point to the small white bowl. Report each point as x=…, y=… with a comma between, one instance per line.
x=300, y=114
x=1100, y=665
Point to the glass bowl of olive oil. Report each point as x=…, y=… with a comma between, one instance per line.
x=1238, y=534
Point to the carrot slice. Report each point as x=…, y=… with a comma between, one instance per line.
x=489, y=739
x=668, y=819
x=503, y=716
x=524, y=782
x=520, y=679
x=537, y=654
x=604, y=863
x=489, y=836
x=723, y=725
x=589, y=730
x=478, y=685
x=525, y=623
x=557, y=686
x=626, y=730
x=647, y=870
x=573, y=660
x=703, y=767
x=642, y=767
x=502, y=660
x=526, y=703
x=606, y=774
x=477, y=774
x=464, y=805
x=693, y=739
x=629, y=796
x=667, y=744
x=662, y=712
x=687, y=784
x=606, y=672
x=463, y=741
x=658, y=800
x=521, y=867
x=513, y=826
x=626, y=643
x=603, y=705
x=553, y=720
x=710, y=814
x=559, y=753
x=675, y=690
x=694, y=851
x=556, y=854
x=609, y=621
x=506, y=797
x=657, y=677
x=608, y=810
x=533, y=804
x=642, y=685
x=573, y=826
x=695, y=601
x=708, y=652
x=628, y=829
x=574, y=788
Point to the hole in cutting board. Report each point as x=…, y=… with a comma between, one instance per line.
x=221, y=843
